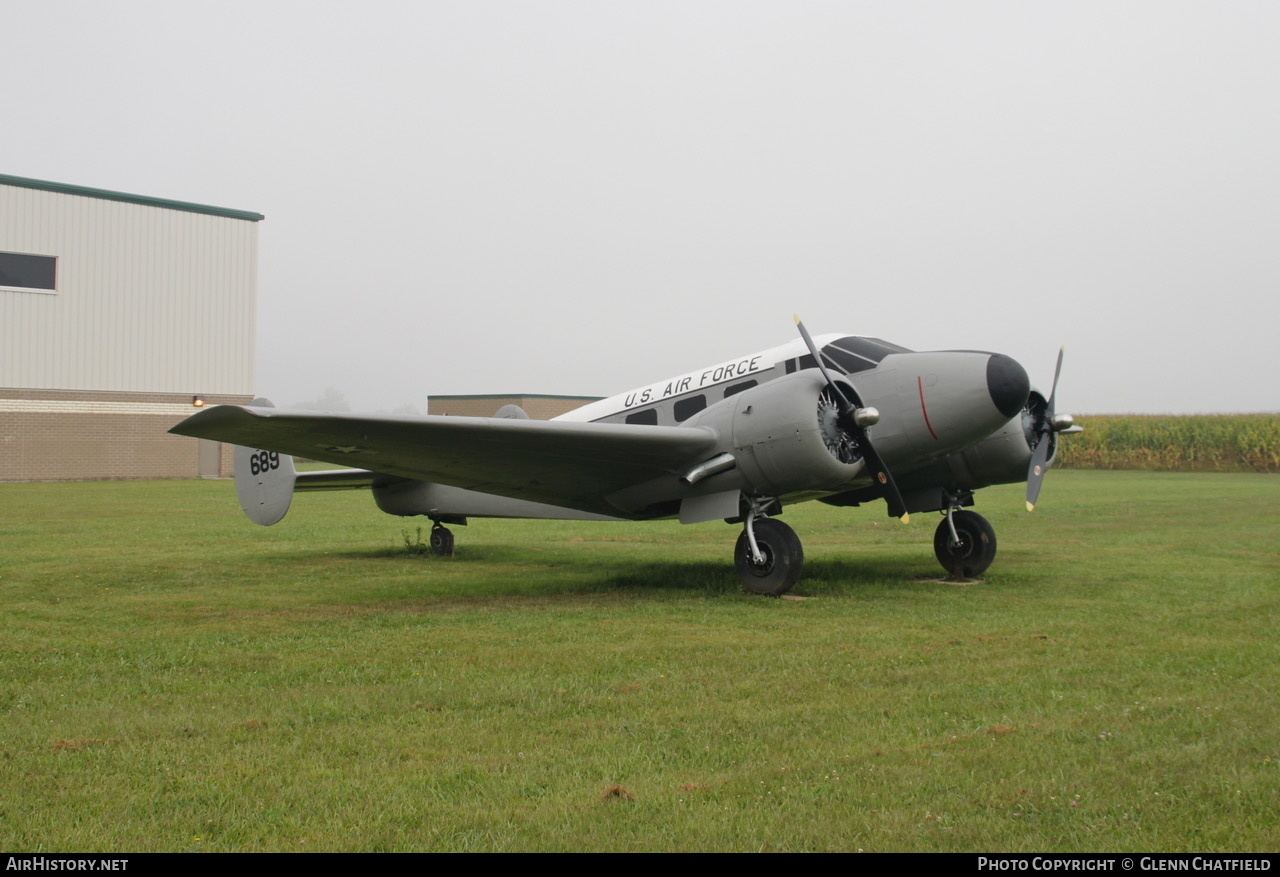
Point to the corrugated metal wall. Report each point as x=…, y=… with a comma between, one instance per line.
x=149, y=299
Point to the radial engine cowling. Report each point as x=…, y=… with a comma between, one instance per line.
x=785, y=437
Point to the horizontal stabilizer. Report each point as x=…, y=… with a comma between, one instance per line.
x=339, y=479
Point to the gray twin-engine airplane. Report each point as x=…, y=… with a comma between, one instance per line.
x=738, y=441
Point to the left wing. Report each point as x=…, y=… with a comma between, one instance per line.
x=574, y=465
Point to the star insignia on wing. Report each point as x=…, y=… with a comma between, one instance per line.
x=346, y=449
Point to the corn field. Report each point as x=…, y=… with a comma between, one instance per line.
x=1192, y=443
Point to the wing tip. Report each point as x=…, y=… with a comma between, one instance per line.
x=217, y=416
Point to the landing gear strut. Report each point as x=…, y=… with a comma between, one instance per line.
x=768, y=556
x=964, y=543
x=441, y=540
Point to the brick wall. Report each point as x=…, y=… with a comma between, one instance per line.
x=64, y=435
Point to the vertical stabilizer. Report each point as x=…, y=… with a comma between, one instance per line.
x=264, y=480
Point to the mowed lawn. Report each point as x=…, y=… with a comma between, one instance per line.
x=173, y=677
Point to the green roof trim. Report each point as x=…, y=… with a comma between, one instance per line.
x=108, y=195
x=514, y=396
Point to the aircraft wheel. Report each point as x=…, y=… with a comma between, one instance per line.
x=441, y=541
x=783, y=559
x=977, y=546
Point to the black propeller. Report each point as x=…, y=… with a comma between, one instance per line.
x=854, y=420
x=1044, y=424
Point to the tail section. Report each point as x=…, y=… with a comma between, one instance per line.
x=264, y=480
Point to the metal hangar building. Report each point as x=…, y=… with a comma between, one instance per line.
x=118, y=313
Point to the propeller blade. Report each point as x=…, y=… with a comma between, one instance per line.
x=897, y=508
x=1045, y=430
x=848, y=405
x=848, y=422
x=1053, y=392
x=1035, y=473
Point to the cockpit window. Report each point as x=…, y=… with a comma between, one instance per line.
x=848, y=355
x=877, y=344
x=854, y=354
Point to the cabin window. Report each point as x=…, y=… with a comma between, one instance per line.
x=735, y=389
x=647, y=417
x=686, y=408
x=28, y=273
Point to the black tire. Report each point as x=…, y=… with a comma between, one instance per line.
x=441, y=541
x=977, y=546
x=783, y=559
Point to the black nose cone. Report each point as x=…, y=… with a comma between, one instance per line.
x=1008, y=384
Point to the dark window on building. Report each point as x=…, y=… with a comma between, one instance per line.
x=21, y=271
x=735, y=389
x=686, y=408
x=647, y=417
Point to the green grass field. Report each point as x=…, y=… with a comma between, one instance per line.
x=173, y=677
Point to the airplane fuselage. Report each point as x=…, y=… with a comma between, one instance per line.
x=767, y=407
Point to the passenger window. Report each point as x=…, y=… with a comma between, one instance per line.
x=686, y=408
x=735, y=389
x=647, y=417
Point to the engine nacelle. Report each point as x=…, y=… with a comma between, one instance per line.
x=1003, y=457
x=779, y=439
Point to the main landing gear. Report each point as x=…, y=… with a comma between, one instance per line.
x=768, y=556
x=964, y=543
x=441, y=540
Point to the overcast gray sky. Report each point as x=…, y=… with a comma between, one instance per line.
x=581, y=197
